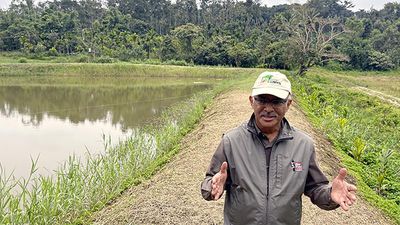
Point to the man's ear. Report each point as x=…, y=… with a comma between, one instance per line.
x=289, y=102
x=251, y=100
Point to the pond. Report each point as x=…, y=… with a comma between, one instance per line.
x=52, y=123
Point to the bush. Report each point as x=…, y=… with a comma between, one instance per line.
x=104, y=59
x=53, y=52
x=83, y=59
x=176, y=62
x=379, y=61
x=335, y=66
x=22, y=60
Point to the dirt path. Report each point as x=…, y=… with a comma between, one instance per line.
x=172, y=196
x=385, y=97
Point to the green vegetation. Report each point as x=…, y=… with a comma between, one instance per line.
x=362, y=128
x=385, y=82
x=116, y=70
x=186, y=32
x=82, y=186
x=120, y=74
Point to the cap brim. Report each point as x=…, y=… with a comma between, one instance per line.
x=283, y=94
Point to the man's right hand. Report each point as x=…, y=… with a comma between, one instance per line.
x=218, y=181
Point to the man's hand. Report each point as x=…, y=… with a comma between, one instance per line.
x=342, y=192
x=218, y=182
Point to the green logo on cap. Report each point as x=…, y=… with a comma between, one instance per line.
x=267, y=78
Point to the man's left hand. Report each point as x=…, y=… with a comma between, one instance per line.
x=343, y=193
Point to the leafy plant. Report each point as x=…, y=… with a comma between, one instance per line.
x=382, y=172
x=22, y=60
x=358, y=149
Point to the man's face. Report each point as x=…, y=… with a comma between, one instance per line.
x=269, y=111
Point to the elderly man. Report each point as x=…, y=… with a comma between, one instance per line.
x=265, y=165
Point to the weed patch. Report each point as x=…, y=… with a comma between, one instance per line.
x=364, y=129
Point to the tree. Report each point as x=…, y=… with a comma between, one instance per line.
x=311, y=37
x=214, y=52
x=167, y=50
x=379, y=61
x=185, y=34
x=331, y=8
x=243, y=56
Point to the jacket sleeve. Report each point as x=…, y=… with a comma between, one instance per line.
x=216, y=161
x=318, y=187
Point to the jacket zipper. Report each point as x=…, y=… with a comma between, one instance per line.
x=268, y=163
x=267, y=173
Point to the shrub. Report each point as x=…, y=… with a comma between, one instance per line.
x=357, y=151
x=83, y=59
x=379, y=61
x=22, y=60
x=176, y=62
x=53, y=52
x=335, y=66
x=104, y=59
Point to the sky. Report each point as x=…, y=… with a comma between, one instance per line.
x=359, y=4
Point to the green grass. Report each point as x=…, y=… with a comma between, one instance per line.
x=82, y=186
x=123, y=74
x=119, y=70
x=385, y=82
x=363, y=130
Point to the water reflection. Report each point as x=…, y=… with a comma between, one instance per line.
x=55, y=122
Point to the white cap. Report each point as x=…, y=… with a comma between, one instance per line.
x=272, y=83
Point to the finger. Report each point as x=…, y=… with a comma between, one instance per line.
x=214, y=187
x=342, y=174
x=216, y=196
x=351, y=196
x=351, y=187
x=213, y=190
x=224, y=166
x=215, y=179
x=214, y=193
x=349, y=202
x=344, y=205
x=350, y=199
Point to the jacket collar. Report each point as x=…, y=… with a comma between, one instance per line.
x=286, y=131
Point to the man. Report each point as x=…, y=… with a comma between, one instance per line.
x=265, y=165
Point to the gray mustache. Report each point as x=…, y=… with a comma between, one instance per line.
x=267, y=114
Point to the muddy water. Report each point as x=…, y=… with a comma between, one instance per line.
x=51, y=123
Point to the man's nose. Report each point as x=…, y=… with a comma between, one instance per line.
x=268, y=107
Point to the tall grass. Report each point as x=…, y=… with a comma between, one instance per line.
x=387, y=82
x=118, y=70
x=364, y=130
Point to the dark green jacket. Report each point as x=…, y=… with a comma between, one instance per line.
x=268, y=192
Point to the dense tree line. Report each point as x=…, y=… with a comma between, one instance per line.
x=207, y=32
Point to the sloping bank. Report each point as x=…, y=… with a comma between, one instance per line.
x=81, y=187
x=363, y=130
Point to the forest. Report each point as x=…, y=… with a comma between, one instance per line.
x=207, y=32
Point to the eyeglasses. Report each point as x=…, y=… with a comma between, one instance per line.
x=274, y=102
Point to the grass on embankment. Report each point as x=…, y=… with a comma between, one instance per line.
x=386, y=82
x=80, y=187
x=364, y=131
x=88, y=74
x=117, y=69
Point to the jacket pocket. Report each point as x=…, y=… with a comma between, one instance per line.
x=241, y=207
x=286, y=209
